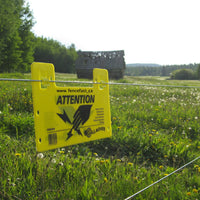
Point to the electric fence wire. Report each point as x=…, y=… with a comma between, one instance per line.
x=130, y=197
x=112, y=83
x=90, y=82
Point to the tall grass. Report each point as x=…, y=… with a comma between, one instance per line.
x=155, y=131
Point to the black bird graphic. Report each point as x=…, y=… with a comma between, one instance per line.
x=81, y=116
x=64, y=116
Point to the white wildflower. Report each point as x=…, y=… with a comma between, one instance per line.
x=40, y=155
x=123, y=159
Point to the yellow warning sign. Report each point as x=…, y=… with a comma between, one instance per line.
x=69, y=115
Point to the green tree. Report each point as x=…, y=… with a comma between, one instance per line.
x=198, y=71
x=13, y=39
x=183, y=74
x=12, y=53
x=164, y=73
x=27, y=37
x=8, y=28
x=43, y=50
x=52, y=51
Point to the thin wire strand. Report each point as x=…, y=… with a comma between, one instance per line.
x=111, y=83
x=162, y=179
x=90, y=82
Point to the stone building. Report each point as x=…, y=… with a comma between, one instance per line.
x=113, y=61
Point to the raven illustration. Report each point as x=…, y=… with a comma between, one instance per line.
x=81, y=116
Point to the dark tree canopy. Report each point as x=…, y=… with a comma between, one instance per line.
x=16, y=38
x=160, y=70
x=52, y=51
x=19, y=47
x=183, y=74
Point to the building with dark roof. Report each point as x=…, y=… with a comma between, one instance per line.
x=113, y=61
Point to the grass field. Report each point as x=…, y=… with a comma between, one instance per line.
x=155, y=131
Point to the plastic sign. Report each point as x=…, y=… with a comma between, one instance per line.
x=69, y=115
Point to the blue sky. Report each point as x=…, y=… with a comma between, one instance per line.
x=149, y=31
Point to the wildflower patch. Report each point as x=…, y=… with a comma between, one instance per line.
x=69, y=115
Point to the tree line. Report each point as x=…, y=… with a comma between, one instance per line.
x=165, y=70
x=19, y=47
x=52, y=51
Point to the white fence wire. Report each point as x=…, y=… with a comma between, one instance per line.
x=90, y=82
x=180, y=168
x=127, y=84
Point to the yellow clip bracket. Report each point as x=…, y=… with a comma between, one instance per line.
x=69, y=115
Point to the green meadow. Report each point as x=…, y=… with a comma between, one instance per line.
x=155, y=130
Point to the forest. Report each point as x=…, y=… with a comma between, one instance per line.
x=19, y=47
x=159, y=70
